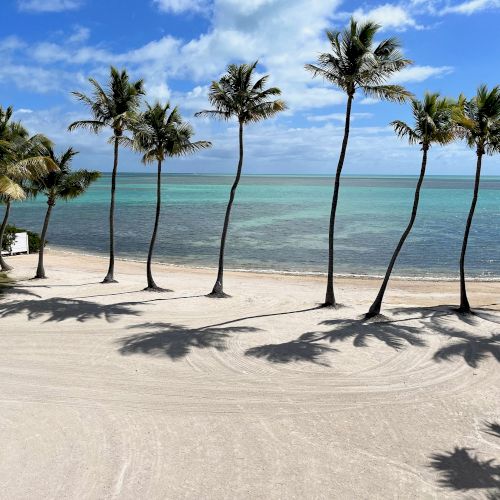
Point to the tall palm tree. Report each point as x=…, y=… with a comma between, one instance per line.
x=63, y=184
x=353, y=64
x=433, y=124
x=160, y=132
x=478, y=122
x=237, y=95
x=111, y=107
x=22, y=159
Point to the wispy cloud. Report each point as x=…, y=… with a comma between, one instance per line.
x=180, y=6
x=414, y=74
x=48, y=5
x=471, y=7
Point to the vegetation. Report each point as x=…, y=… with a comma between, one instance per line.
x=237, y=95
x=34, y=241
x=114, y=108
x=159, y=133
x=21, y=159
x=478, y=122
x=62, y=184
x=353, y=64
x=433, y=125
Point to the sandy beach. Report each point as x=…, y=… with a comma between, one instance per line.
x=108, y=391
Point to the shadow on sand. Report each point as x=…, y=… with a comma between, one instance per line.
x=462, y=470
x=59, y=309
x=177, y=341
x=396, y=334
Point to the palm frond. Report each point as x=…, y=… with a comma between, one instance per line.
x=392, y=93
x=10, y=189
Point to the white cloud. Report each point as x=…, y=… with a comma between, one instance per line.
x=414, y=74
x=338, y=117
x=80, y=34
x=48, y=5
x=38, y=79
x=388, y=16
x=470, y=7
x=179, y=6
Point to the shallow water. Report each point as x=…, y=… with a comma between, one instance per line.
x=281, y=223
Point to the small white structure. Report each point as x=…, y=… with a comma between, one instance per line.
x=20, y=244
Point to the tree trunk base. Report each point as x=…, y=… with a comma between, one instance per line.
x=6, y=268
x=331, y=305
x=39, y=277
x=218, y=294
x=465, y=310
x=109, y=279
x=372, y=314
x=156, y=288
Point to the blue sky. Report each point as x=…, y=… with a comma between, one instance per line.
x=50, y=47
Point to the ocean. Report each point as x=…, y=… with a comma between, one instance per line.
x=280, y=223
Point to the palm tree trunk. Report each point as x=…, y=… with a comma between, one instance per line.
x=3, y=264
x=111, y=269
x=330, y=295
x=40, y=271
x=377, y=304
x=151, y=283
x=218, y=289
x=464, y=302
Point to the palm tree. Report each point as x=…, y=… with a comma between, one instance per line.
x=433, y=124
x=21, y=159
x=353, y=64
x=478, y=122
x=160, y=133
x=112, y=107
x=236, y=95
x=63, y=184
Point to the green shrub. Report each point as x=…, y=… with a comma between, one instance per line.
x=10, y=235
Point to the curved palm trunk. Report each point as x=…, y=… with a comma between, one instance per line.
x=218, y=289
x=151, y=283
x=377, y=304
x=464, y=302
x=330, y=295
x=3, y=264
x=110, y=278
x=40, y=271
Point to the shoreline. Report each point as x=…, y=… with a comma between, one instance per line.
x=308, y=274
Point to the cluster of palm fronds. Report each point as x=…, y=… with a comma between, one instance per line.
x=355, y=64
x=30, y=167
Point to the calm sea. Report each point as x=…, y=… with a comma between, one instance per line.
x=281, y=223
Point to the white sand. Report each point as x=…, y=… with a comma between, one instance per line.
x=107, y=391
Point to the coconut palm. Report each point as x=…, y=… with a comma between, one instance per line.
x=63, y=184
x=160, y=132
x=353, y=64
x=237, y=95
x=111, y=107
x=21, y=159
x=433, y=124
x=478, y=122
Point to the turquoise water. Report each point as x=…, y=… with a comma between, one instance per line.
x=281, y=223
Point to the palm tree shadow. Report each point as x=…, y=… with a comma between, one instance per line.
x=471, y=347
x=59, y=309
x=304, y=348
x=461, y=470
x=493, y=429
x=311, y=346
x=391, y=333
x=176, y=341
x=5, y=291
